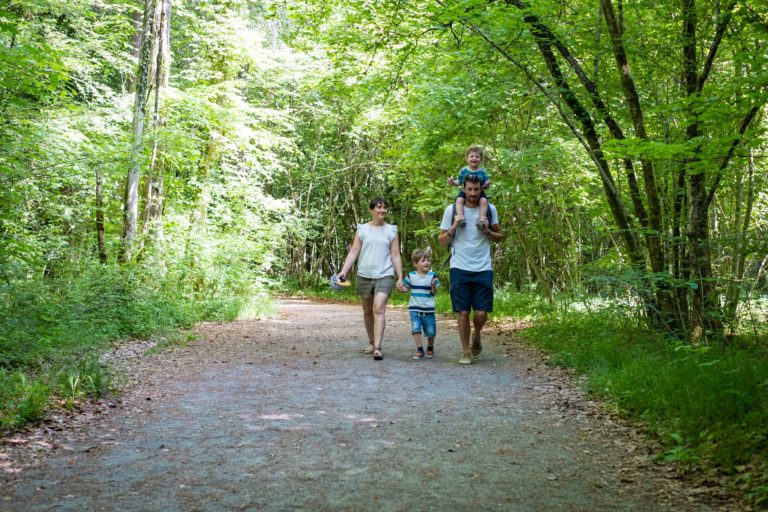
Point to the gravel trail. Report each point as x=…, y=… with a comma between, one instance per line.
x=288, y=414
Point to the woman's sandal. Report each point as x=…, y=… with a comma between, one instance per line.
x=377, y=355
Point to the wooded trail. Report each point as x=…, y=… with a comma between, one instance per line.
x=288, y=414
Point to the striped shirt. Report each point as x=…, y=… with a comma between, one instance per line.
x=421, y=299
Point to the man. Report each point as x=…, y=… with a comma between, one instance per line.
x=471, y=274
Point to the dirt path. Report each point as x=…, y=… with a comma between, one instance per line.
x=287, y=414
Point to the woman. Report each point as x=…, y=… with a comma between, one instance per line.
x=377, y=244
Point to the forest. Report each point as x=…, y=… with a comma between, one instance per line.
x=165, y=162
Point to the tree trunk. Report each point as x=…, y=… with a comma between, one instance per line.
x=738, y=262
x=152, y=217
x=704, y=317
x=131, y=195
x=100, y=239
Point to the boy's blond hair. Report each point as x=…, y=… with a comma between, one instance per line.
x=475, y=148
x=421, y=253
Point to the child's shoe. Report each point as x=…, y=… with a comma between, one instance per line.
x=462, y=223
x=482, y=224
x=419, y=353
x=430, y=352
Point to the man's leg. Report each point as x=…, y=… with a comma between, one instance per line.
x=463, y=324
x=461, y=300
x=482, y=302
x=478, y=320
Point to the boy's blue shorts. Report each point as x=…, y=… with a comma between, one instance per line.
x=423, y=321
x=471, y=290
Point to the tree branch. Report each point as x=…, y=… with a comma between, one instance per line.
x=722, y=25
x=732, y=150
x=594, y=95
x=544, y=39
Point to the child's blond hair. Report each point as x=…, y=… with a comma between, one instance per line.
x=421, y=253
x=475, y=148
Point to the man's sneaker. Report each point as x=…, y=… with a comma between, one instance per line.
x=477, y=345
x=368, y=349
x=430, y=352
x=466, y=358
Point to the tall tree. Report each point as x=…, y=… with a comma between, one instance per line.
x=152, y=217
x=143, y=77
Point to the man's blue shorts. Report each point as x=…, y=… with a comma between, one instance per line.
x=471, y=290
x=425, y=321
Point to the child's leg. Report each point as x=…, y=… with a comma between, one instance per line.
x=416, y=322
x=430, y=330
x=419, y=346
x=430, y=347
x=460, y=210
x=482, y=221
x=417, y=340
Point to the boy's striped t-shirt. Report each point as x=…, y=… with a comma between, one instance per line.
x=421, y=299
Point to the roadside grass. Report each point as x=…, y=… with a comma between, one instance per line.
x=53, y=331
x=707, y=404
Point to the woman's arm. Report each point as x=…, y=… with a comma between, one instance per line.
x=354, y=251
x=397, y=262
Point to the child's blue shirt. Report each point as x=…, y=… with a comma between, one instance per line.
x=421, y=299
x=466, y=172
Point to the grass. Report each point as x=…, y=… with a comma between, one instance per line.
x=706, y=404
x=52, y=331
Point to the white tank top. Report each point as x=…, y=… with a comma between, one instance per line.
x=375, y=260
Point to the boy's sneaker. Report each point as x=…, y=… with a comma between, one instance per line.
x=430, y=352
x=462, y=223
x=419, y=355
x=466, y=358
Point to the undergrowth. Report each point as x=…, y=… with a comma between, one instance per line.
x=53, y=330
x=707, y=404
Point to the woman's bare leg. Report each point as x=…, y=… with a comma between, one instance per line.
x=379, y=317
x=368, y=317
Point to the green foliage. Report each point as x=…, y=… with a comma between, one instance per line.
x=21, y=401
x=54, y=329
x=706, y=402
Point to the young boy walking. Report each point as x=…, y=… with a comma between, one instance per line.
x=422, y=284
